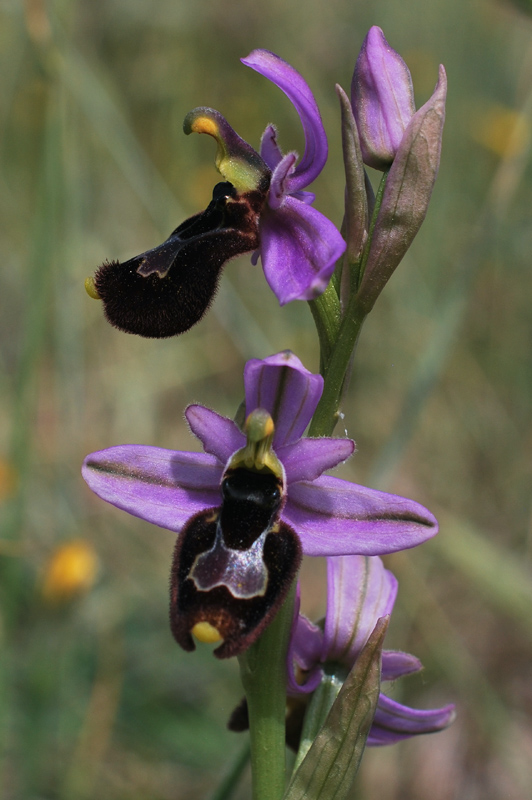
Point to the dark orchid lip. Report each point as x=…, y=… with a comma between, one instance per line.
x=167, y=290
x=233, y=565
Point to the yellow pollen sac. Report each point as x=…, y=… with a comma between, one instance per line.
x=205, y=632
x=90, y=288
x=205, y=125
x=259, y=425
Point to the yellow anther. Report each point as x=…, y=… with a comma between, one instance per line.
x=90, y=288
x=259, y=425
x=205, y=125
x=235, y=159
x=205, y=632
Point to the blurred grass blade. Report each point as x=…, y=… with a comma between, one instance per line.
x=329, y=768
x=503, y=580
x=113, y=129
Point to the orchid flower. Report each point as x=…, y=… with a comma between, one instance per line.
x=261, y=207
x=360, y=591
x=249, y=494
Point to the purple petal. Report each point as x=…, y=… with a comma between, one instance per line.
x=279, y=180
x=295, y=88
x=285, y=388
x=305, y=197
x=269, y=149
x=336, y=518
x=299, y=248
x=304, y=651
x=220, y=436
x=395, y=664
x=307, y=459
x=394, y=722
x=382, y=97
x=165, y=487
x=359, y=592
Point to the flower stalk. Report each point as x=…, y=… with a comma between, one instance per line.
x=336, y=356
x=263, y=674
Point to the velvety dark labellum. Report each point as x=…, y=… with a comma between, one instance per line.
x=234, y=564
x=165, y=291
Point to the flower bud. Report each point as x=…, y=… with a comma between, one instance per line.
x=382, y=96
x=407, y=193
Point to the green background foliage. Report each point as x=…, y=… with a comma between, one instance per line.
x=96, y=700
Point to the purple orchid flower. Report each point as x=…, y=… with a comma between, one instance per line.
x=269, y=475
x=261, y=208
x=360, y=591
x=298, y=245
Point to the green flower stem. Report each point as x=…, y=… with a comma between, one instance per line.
x=263, y=673
x=327, y=316
x=327, y=412
x=335, y=358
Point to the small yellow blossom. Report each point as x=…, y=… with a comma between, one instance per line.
x=71, y=570
x=502, y=130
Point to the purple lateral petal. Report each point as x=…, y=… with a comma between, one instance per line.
x=304, y=651
x=285, y=388
x=305, y=197
x=359, y=591
x=395, y=664
x=296, y=89
x=394, y=722
x=165, y=487
x=220, y=436
x=334, y=518
x=269, y=149
x=279, y=180
x=307, y=459
x=299, y=248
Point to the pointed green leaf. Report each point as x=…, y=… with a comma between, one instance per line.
x=331, y=764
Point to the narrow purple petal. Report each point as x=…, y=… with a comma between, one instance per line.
x=285, y=388
x=307, y=459
x=299, y=248
x=305, y=197
x=395, y=664
x=220, y=436
x=303, y=652
x=165, y=487
x=335, y=518
x=394, y=722
x=359, y=591
x=296, y=89
x=279, y=180
x=269, y=149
